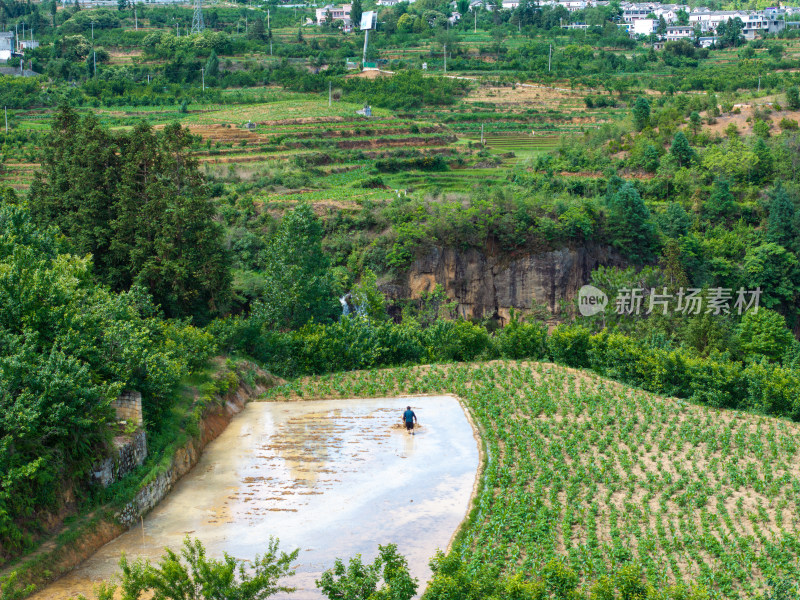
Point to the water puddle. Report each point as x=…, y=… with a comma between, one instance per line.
x=333, y=478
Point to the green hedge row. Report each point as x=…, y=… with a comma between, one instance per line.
x=360, y=343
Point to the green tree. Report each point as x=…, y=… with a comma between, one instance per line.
x=257, y=31
x=671, y=266
x=730, y=33
x=355, y=14
x=661, y=29
x=212, y=65
x=298, y=283
x=763, y=167
x=191, y=575
x=674, y=222
x=629, y=224
x=775, y=270
x=651, y=158
x=694, y=122
x=721, y=203
x=165, y=235
x=681, y=149
x=682, y=17
x=793, y=98
x=76, y=184
x=358, y=581
x=211, y=19
x=763, y=332
x=367, y=298
x=782, y=227
x=761, y=129
x=139, y=205
x=641, y=113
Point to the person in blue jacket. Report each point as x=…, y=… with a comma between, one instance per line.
x=410, y=418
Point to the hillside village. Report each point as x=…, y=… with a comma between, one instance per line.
x=652, y=20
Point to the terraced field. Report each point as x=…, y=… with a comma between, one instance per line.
x=603, y=475
x=523, y=145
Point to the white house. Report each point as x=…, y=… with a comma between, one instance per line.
x=338, y=13
x=6, y=45
x=643, y=27
x=574, y=5
x=679, y=32
x=27, y=44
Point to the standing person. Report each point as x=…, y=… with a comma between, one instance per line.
x=410, y=418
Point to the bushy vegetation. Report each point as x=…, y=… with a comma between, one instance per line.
x=70, y=346
x=138, y=205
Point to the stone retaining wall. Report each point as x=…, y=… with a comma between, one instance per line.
x=128, y=454
x=187, y=456
x=129, y=407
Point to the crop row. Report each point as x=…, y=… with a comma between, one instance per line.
x=603, y=475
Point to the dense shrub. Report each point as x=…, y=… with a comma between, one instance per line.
x=569, y=345
x=521, y=340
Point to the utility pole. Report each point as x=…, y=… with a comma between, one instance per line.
x=203, y=75
x=481, y=134
x=95, y=63
x=476, y=19
x=135, y=20
x=177, y=31
x=92, y=30
x=270, y=47
x=5, y=111
x=267, y=19
x=329, y=94
x=759, y=82
x=445, y=58
x=550, y=58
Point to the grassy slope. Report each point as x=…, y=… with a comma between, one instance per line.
x=603, y=474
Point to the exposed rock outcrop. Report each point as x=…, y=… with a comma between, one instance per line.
x=489, y=285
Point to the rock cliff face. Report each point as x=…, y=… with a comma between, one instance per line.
x=487, y=285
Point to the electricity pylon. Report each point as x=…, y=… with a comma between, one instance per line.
x=197, y=20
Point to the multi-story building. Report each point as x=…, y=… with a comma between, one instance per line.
x=636, y=12
x=337, y=13
x=679, y=32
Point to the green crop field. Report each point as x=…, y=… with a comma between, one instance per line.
x=605, y=475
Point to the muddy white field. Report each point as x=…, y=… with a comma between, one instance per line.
x=332, y=478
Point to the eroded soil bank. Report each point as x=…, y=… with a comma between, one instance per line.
x=333, y=478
